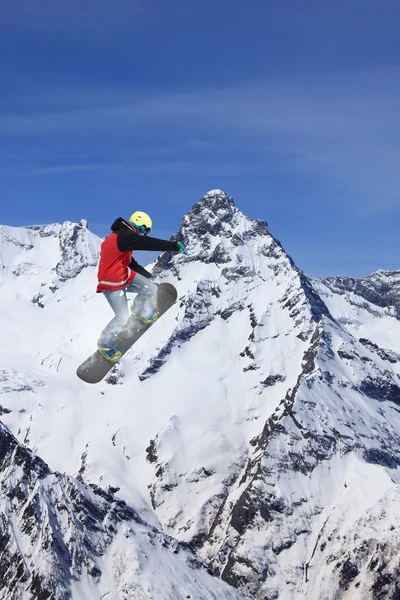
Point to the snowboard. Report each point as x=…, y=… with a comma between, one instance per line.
x=96, y=367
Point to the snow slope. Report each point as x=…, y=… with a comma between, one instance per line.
x=368, y=307
x=62, y=539
x=256, y=420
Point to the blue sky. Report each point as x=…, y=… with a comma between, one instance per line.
x=290, y=107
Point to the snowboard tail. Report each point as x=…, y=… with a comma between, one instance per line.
x=96, y=367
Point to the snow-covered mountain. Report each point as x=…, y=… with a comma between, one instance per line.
x=63, y=539
x=368, y=307
x=258, y=420
x=381, y=289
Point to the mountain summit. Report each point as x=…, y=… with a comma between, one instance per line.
x=256, y=421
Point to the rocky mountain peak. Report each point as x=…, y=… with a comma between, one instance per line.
x=214, y=214
x=214, y=231
x=217, y=201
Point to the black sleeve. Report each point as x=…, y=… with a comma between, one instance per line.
x=128, y=240
x=139, y=269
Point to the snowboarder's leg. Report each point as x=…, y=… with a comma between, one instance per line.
x=108, y=338
x=145, y=304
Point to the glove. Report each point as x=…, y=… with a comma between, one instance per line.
x=181, y=247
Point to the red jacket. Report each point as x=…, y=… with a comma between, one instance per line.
x=117, y=268
x=114, y=272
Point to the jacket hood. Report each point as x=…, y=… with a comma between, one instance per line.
x=120, y=223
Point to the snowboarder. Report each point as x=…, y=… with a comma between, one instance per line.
x=119, y=273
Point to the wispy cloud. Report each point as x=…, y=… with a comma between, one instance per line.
x=171, y=167
x=342, y=128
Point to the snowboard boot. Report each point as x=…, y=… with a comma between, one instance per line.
x=148, y=318
x=111, y=354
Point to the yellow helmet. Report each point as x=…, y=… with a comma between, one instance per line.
x=141, y=220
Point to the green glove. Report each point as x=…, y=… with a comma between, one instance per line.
x=181, y=247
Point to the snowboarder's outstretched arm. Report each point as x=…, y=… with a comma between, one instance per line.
x=128, y=240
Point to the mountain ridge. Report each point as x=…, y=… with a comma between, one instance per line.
x=241, y=423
